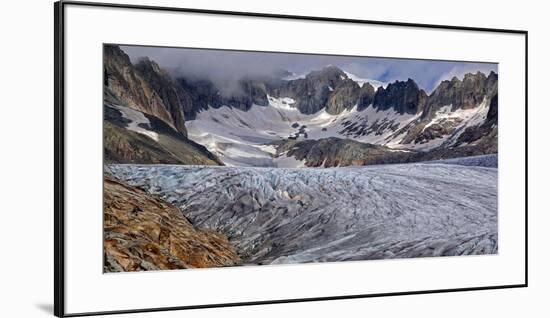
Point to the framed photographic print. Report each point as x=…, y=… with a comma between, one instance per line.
x=208, y=158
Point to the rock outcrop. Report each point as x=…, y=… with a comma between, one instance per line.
x=250, y=92
x=329, y=87
x=485, y=136
x=473, y=92
x=335, y=152
x=197, y=95
x=163, y=86
x=366, y=96
x=463, y=94
x=142, y=233
x=403, y=97
x=343, y=97
x=143, y=87
x=149, y=142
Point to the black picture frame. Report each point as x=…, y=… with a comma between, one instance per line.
x=59, y=152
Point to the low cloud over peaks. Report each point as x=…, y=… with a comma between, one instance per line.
x=225, y=68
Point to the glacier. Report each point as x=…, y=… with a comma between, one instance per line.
x=282, y=215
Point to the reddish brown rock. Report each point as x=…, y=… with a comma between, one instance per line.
x=142, y=232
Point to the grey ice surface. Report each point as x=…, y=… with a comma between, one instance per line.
x=478, y=161
x=275, y=215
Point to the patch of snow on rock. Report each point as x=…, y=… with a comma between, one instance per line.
x=136, y=118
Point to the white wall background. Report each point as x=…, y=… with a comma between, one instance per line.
x=26, y=169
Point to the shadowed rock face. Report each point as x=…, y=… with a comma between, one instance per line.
x=467, y=93
x=329, y=87
x=147, y=89
x=252, y=92
x=145, y=233
x=366, y=96
x=403, y=97
x=485, y=136
x=471, y=92
x=164, y=87
x=197, y=95
x=274, y=215
x=344, y=97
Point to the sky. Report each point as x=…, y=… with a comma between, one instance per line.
x=222, y=66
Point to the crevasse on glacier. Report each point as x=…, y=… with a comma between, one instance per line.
x=274, y=215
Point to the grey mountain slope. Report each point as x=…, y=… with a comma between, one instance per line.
x=469, y=93
x=122, y=145
x=334, y=152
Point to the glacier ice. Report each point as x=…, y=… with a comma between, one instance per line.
x=277, y=215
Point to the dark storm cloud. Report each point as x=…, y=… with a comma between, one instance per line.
x=226, y=67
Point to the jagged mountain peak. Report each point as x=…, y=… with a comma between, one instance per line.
x=144, y=87
x=478, y=76
x=469, y=77
x=368, y=86
x=466, y=93
x=402, y=96
x=148, y=65
x=114, y=52
x=329, y=72
x=366, y=96
x=405, y=83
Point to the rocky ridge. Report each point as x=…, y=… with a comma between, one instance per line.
x=144, y=87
